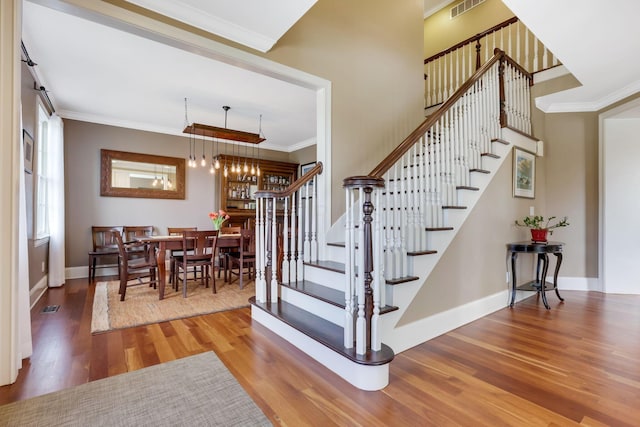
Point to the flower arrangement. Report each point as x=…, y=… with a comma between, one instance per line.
x=218, y=218
x=540, y=227
x=538, y=222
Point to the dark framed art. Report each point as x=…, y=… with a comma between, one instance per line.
x=27, y=141
x=524, y=173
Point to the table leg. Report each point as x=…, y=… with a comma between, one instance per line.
x=543, y=280
x=162, y=269
x=555, y=274
x=514, y=256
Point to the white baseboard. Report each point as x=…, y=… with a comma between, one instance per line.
x=38, y=290
x=412, y=334
x=578, y=283
x=83, y=272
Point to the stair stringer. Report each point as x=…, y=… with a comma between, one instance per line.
x=401, y=338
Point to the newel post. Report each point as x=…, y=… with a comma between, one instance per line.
x=364, y=291
x=503, y=113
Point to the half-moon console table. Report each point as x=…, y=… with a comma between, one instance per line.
x=540, y=284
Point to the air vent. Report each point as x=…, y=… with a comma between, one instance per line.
x=464, y=6
x=50, y=309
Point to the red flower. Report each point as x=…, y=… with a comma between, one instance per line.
x=218, y=218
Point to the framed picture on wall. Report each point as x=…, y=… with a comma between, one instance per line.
x=27, y=141
x=524, y=173
x=304, y=169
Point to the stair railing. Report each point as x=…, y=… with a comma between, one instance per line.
x=447, y=70
x=286, y=234
x=405, y=196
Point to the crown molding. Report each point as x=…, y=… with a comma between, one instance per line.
x=589, y=105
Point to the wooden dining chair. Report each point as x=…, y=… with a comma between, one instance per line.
x=104, y=247
x=138, y=267
x=244, y=258
x=222, y=252
x=130, y=233
x=203, y=255
x=176, y=231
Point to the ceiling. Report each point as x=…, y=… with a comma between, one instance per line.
x=100, y=74
x=596, y=41
x=97, y=73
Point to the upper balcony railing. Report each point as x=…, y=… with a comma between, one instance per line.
x=447, y=70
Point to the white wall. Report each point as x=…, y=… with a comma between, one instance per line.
x=621, y=204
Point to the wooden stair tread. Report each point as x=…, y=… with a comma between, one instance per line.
x=479, y=170
x=466, y=187
x=454, y=207
x=326, y=294
x=500, y=140
x=493, y=156
x=400, y=280
x=427, y=252
x=339, y=267
x=438, y=228
x=328, y=265
x=323, y=331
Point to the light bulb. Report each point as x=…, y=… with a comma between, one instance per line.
x=203, y=162
x=253, y=170
x=246, y=168
x=212, y=170
x=225, y=171
x=217, y=165
x=258, y=171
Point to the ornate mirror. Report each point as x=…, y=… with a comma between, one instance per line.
x=124, y=174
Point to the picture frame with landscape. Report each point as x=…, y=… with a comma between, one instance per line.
x=524, y=173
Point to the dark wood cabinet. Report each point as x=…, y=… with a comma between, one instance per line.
x=237, y=189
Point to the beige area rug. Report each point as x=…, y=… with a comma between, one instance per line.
x=142, y=306
x=194, y=391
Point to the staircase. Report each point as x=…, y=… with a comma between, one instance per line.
x=343, y=311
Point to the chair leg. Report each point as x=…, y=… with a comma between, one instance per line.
x=184, y=283
x=213, y=277
x=123, y=287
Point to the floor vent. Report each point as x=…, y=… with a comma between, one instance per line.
x=50, y=309
x=464, y=6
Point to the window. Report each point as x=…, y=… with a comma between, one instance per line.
x=41, y=176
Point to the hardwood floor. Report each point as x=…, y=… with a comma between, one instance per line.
x=576, y=364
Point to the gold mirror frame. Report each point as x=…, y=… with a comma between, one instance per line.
x=106, y=189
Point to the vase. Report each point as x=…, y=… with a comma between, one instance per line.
x=539, y=235
x=216, y=226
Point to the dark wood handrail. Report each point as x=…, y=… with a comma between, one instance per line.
x=294, y=186
x=473, y=38
x=413, y=138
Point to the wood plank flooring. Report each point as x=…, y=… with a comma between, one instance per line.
x=576, y=364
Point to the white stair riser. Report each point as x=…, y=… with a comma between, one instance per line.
x=313, y=305
x=328, y=278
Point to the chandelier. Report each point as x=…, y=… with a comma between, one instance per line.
x=195, y=130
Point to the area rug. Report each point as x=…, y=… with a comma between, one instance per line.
x=193, y=391
x=142, y=306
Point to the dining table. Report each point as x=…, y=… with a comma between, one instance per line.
x=174, y=242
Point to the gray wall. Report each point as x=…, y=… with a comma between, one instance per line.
x=85, y=207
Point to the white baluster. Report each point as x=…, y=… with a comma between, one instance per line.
x=301, y=227
x=377, y=283
x=307, y=225
x=261, y=291
x=361, y=326
x=314, y=224
x=285, y=237
x=274, y=253
x=349, y=246
x=293, y=255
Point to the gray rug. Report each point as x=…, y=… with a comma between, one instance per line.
x=194, y=391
